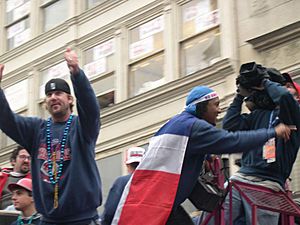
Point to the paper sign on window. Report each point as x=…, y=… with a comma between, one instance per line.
x=105, y=49
x=95, y=68
x=152, y=27
x=207, y=21
x=21, y=11
x=141, y=47
x=15, y=29
x=58, y=71
x=190, y=13
x=12, y=4
x=21, y=37
x=17, y=95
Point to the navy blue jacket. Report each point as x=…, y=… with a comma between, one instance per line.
x=80, y=185
x=113, y=198
x=286, y=152
x=207, y=139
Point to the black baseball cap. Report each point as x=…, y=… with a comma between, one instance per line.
x=57, y=84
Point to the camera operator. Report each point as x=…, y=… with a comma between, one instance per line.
x=269, y=165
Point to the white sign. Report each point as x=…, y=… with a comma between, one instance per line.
x=15, y=29
x=203, y=7
x=21, y=37
x=152, y=27
x=192, y=12
x=21, y=11
x=58, y=71
x=207, y=21
x=12, y=4
x=95, y=68
x=105, y=49
x=141, y=47
x=17, y=95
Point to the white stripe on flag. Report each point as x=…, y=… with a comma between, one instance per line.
x=166, y=154
x=162, y=147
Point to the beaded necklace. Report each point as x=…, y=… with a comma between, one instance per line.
x=53, y=171
x=20, y=221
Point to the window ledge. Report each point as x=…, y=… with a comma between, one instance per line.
x=166, y=93
x=276, y=37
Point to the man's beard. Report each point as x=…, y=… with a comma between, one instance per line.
x=24, y=170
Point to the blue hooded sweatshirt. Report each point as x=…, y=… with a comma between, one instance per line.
x=286, y=152
x=79, y=191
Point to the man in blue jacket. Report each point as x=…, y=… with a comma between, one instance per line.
x=66, y=181
x=134, y=156
x=169, y=170
x=270, y=164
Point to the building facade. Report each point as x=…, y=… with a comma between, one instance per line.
x=142, y=58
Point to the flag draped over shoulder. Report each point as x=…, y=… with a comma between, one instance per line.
x=149, y=195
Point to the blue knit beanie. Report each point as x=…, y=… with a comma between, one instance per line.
x=198, y=94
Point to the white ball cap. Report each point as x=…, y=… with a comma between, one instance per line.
x=134, y=154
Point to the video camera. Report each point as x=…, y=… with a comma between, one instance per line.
x=251, y=76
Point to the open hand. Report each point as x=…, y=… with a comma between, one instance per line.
x=72, y=61
x=284, y=131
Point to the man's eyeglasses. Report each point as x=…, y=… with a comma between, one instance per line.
x=23, y=157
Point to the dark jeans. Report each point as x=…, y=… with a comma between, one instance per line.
x=179, y=217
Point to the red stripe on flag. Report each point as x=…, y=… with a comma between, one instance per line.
x=150, y=198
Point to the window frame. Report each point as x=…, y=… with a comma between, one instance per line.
x=196, y=34
x=155, y=52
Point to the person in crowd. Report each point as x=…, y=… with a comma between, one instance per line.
x=66, y=180
x=292, y=86
x=170, y=168
x=271, y=163
x=23, y=201
x=134, y=156
x=20, y=160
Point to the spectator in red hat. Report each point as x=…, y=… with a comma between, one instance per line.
x=134, y=156
x=23, y=201
x=292, y=86
x=20, y=160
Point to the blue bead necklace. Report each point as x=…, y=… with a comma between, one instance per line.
x=20, y=221
x=53, y=171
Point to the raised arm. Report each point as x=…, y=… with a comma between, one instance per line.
x=234, y=119
x=211, y=140
x=20, y=129
x=87, y=104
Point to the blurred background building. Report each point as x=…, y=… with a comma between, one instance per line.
x=142, y=58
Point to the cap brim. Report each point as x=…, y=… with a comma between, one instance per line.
x=14, y=186
x=133, y=161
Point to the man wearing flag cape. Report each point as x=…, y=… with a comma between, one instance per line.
x=170, y=168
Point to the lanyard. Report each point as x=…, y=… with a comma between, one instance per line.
x=272, y=122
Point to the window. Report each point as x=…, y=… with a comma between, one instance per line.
x=54, y=12
x=99, y=68
x=200, y=44
x=59, y=70
x=146, y=74
x=146, y=69
x=17, y=19
x=17, y=97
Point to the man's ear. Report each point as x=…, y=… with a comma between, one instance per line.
x=71, y=98
x=44, y=104
x=13, y=162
